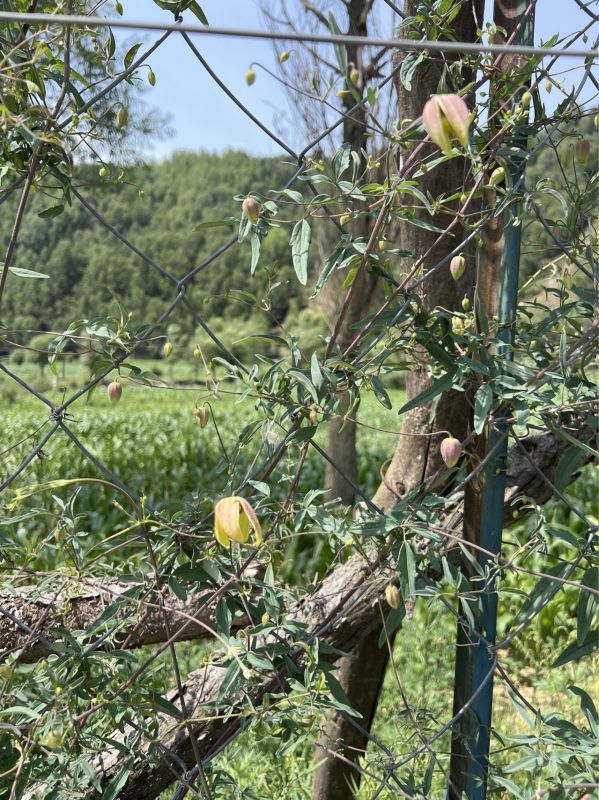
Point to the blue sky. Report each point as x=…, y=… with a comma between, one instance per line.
x=202, y=117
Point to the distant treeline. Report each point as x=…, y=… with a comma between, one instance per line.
x=179, y=212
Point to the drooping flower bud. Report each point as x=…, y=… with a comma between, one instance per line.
x=197, y=352
x=122, y=116
x=457, y=266
x=466, y=304
x=114, y=391
x=354, y=76
x=151, y=78
x=265, y=618
x=251, y=209
x=250, y=77
x=202, y=414
x=446, y=115
x=284, y=56
x=451, y=449
x=233, y=517
x=167, y=349
x=526, y=100
x=457, y=325
x=392, y=595
x=497, y=176
x=548, y=86
x=582, y=148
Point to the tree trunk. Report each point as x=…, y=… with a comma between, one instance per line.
x=342, y=432
x=416, y=456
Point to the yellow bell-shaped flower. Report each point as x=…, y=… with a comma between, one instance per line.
x=233, y=518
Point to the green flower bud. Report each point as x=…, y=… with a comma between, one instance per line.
x=457, y=326
x=250, y=77
x=284, y=56
x=167, y=349
x=526, y=100
x=457, y=267
x=466, y=304
x=151, y=78
x=497, y=176
x=582, y=148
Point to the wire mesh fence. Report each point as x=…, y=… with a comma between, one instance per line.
x=100, y=718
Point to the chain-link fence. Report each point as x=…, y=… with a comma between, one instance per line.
x=98, y=717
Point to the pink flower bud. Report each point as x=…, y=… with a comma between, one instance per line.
x=251, y=209
x=457, y=266
x=451, y=449
x=114, y=391
x=444, y=115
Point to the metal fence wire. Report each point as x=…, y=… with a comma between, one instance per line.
x=155, y=597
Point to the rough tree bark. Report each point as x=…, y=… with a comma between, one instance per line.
x=416, y=456
x=324, y=614
x=75, y=605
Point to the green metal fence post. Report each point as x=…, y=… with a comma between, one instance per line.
x=474, y=657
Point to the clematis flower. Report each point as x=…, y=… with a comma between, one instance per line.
x=451, y=450
x=233, y=517
x=444, y=115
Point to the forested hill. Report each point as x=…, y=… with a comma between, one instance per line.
x=165, y=209
x=158, y=208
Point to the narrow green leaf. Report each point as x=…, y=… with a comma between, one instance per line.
x=482, y=406
x=305, y=382
x=407, y=571
x=111, y=792
x=53, y=211
x=439, y=386
x=380, y=392
x=255, y=243
x=341, y=160
x=575, y=651
x=131, y=53
x=567, y=466
x=300, y=245
x=316, y=372
x=26, y=273
x=587, y=604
